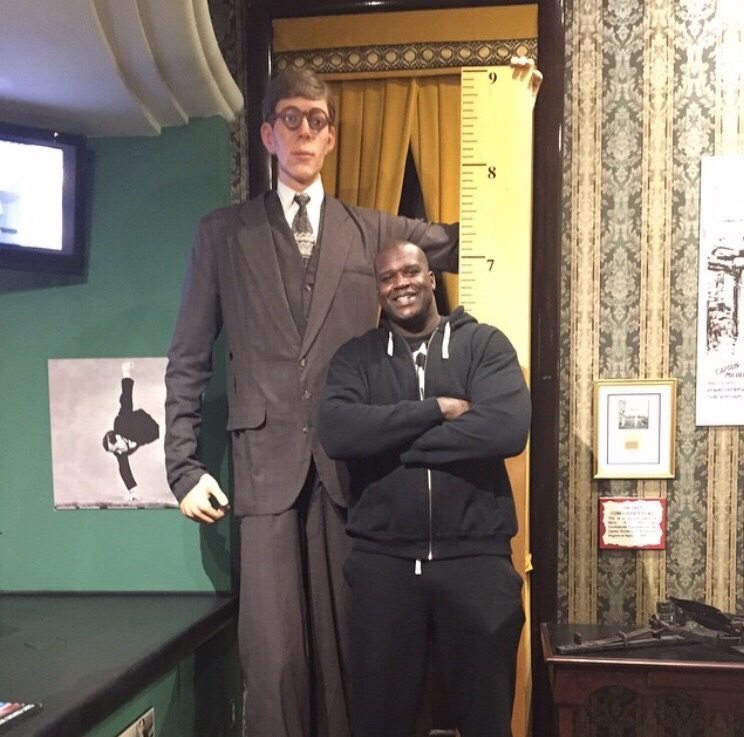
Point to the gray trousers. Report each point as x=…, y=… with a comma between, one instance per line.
x=292, y=621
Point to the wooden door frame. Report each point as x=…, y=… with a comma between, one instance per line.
x=546, y=262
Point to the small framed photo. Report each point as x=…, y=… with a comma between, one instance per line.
x=634, y=422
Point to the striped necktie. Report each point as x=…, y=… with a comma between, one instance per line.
x=301, y=227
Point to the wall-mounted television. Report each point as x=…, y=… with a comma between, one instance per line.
x=41, y=200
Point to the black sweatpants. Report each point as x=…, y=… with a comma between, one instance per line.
x=469, y=608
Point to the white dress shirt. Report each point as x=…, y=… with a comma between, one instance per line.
x=316, y=193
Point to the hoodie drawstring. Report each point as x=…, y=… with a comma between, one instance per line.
x=446, y=341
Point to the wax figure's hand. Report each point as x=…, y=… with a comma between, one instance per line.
x=452, y=408
x=197, y=504
x=524, y=66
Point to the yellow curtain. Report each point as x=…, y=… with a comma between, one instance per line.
x=374, y=120
x=435, y=145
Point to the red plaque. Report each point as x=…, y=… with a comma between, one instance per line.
x=627, y=522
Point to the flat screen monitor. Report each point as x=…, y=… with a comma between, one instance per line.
x=41, y=200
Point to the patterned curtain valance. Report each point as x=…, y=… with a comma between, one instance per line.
x=405, y=43
x=387, y=59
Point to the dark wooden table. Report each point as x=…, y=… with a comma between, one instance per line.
x=85, y=655
x=714, y=677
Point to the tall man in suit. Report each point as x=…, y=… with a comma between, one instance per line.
x=289, y=277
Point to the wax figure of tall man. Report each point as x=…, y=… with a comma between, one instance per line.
x=425, y=409
x=288, y=278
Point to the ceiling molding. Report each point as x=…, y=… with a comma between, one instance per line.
x=112, y=67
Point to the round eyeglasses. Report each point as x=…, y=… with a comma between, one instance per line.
x=317, y=119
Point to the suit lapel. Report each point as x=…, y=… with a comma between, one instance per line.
x=338, y=232
x=258, y=251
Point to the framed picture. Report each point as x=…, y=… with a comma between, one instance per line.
x=634, y=421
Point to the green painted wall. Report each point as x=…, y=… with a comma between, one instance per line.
x=201, y=697
x=146, y=196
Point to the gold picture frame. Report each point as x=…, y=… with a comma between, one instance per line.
x=634, y=428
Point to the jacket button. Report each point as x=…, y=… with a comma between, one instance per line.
x=304, y=429
x=306, y=394
x=303, y=362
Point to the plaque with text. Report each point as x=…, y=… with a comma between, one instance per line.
x=632, y=523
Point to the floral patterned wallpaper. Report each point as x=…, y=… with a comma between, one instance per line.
x=650, y=88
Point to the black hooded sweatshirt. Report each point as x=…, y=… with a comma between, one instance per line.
x=423, y=487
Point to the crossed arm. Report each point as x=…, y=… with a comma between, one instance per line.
x=492, y=422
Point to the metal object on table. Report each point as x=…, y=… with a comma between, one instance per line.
x=676, y=622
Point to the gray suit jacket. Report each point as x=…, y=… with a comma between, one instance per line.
x=275, y=376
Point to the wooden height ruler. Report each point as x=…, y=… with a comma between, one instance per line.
x=496, y=200
x=495, y=261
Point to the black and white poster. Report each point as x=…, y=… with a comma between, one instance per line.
x=720, y=346
x=107, y=421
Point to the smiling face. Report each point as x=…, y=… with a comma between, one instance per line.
x=299, y=153
x=405, y=288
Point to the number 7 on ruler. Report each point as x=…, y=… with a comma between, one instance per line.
x=495, y=193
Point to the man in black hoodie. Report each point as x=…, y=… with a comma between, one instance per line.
x=424, y=410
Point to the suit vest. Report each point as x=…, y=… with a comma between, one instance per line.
x=298, y=279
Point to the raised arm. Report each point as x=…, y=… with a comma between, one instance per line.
x=439, y=242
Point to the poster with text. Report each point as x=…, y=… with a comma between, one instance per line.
x=107, y=422
x=720, y=342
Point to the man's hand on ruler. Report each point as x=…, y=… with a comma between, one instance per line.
x=523, y=66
